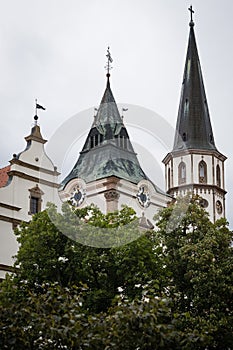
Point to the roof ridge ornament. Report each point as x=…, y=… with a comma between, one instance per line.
x=191, y=23
x=108, y=66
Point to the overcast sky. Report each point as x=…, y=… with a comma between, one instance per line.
x=54, y=50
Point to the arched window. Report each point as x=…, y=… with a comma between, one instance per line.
x=202, y=172
x=218, y=176
x=169, y=178
x=35, y=200
x=182, y=173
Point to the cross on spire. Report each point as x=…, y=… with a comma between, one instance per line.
x=191, y=13
x=109, y=61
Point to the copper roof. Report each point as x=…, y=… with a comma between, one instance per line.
x=107, y=150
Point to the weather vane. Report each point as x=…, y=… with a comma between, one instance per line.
x=191, y=13
x=109, y=61
x=37, y=106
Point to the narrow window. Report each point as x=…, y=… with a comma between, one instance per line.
x=202, y=172
x=116, y=140
x=218, y=176
x=92, y=142
x=125, y=143
x=121, y=141
x=34, y=205
x=35, y=200
x=96, y=140
x=169, y=178
x=186, y=107
x=182, y=173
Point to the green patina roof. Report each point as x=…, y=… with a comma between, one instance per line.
x=107, y=150
x=105, y=162
x=108, y=113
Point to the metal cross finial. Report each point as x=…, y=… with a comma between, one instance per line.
x=108, y=65
x=191, y=12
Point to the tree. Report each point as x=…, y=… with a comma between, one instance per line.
x=56, y=319
x=48, y=256
x=198, y=257
x=169, y=289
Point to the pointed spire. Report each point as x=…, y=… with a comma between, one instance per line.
x=108, y=150
x=193, y=128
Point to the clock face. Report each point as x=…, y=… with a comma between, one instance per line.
x=204, y=203
x=77, y=196
x=143, y=196
x=219, y=207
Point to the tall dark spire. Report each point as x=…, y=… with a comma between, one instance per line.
x=193, y=129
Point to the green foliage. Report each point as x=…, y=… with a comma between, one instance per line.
x=109, y=220
x=169, y=289
x=55, y=319
x=106, y=231
x=43, y=321
x=199, y=259
x=48, y=256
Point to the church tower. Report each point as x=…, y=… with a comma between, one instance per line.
x=107, y=172
x=195, y=164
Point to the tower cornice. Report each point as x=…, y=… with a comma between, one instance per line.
x=192, y=186
x=181, y=153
